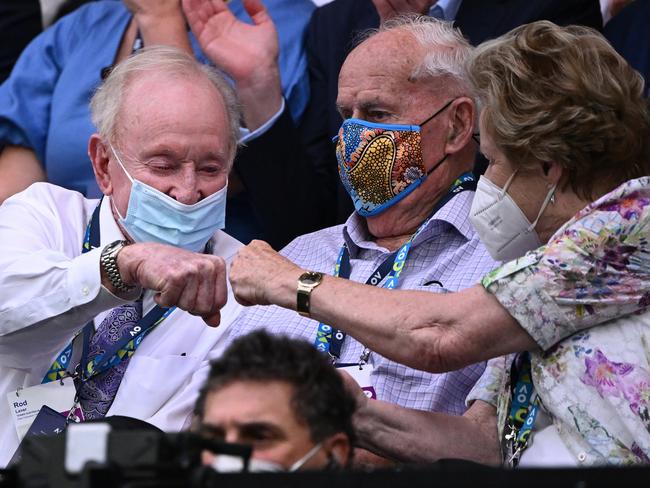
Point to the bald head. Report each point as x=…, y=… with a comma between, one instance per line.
x=439, y=49
x=411, y=61
x=165, y=62
x=379, y=73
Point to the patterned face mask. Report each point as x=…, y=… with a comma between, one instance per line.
x=379, y=164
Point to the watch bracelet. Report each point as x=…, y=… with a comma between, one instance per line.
x=109, y=263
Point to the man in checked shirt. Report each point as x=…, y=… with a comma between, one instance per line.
x=404, y=151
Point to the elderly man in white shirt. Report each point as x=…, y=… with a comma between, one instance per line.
x=105, y=305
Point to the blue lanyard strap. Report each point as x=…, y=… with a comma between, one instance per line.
x=59, y=368
x=330, y=340
x=523, y=409
x=121, y=350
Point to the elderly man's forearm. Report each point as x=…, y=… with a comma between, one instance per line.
x=19, y=168
x=432, y=332
x=261, y=98
x=417, y=436
x=166, y=28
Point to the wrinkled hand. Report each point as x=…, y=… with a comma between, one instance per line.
x=190, y=281
x=363, y=459
x=248, y=53
x=240, y=49
x=388, y=9
x=261, y=276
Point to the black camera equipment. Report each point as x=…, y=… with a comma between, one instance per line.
x=102, y=457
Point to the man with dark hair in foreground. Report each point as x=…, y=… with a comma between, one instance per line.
x=282, y=397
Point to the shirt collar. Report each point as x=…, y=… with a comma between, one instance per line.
x=356, y=235
x=449, y=7
x=454, y=214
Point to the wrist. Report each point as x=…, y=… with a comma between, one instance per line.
x=112, y=277
x=363, y=421
x=264, y=77
x=284, y=292
x=149, y=19
x=307, y=283
x=169, y=29
x=261, y=99
x=125, y=263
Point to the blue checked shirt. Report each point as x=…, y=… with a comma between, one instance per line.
x=446, y=256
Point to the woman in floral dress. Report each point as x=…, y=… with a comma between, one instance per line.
x=567, y=132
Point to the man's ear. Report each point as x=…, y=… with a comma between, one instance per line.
x=338, y=448
x=99, y=156
x=461, y=124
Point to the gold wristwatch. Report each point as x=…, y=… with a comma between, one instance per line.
x=306, y=283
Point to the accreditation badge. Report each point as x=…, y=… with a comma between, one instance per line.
x=361, y=374
x=26, y=403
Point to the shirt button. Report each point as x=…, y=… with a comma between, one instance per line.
x=85, y=291
x=582, y=456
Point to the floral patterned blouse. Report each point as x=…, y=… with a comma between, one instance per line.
x=584, y=298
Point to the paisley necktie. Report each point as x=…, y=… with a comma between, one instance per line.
x=98, y=392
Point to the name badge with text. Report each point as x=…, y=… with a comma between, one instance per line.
x=25, y=403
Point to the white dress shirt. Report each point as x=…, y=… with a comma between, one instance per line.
x=49, y=290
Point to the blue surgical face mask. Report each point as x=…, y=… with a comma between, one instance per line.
x=380, y=164
x=153, y=216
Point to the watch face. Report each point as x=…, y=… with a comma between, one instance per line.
x=310, y=278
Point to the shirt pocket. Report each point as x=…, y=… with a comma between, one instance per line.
x=150, y=382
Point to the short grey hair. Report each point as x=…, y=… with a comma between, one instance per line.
x=447, y=52
x=106, y=102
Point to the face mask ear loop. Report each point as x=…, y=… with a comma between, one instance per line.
x=438, y=112
x=435, y=166
x=549, y=196
x=300, y=462
x=116, y=210
x=504, y=190
x=119, y=161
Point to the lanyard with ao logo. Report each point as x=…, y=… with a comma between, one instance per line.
x=123, y=349
x=330, y=340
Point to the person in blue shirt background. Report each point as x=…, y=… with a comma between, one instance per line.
x=44, y=116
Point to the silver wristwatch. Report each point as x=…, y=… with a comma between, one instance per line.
x=108, y=262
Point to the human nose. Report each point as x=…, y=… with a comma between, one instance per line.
x=185, y=188
x=232, y=436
